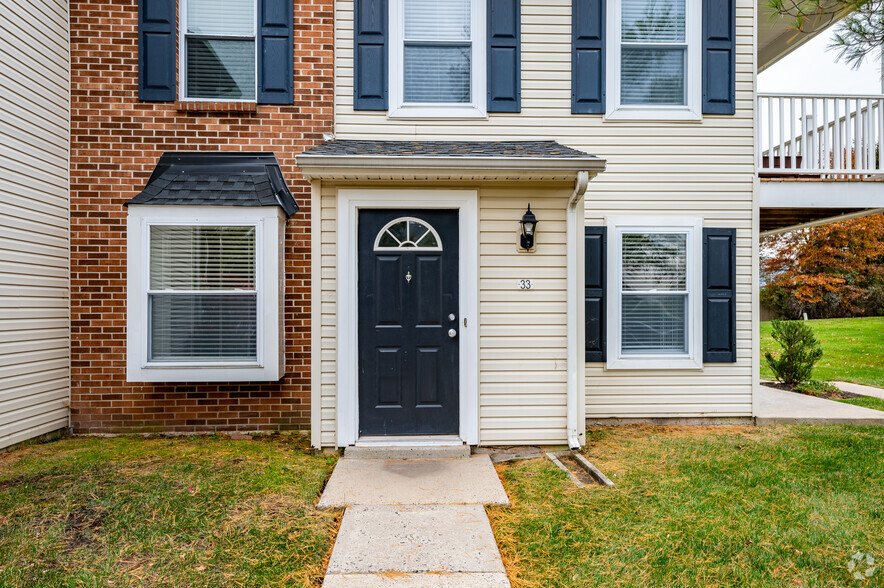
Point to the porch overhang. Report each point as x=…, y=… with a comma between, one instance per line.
x=474, y=161
x=777, y=38
x=793, y=203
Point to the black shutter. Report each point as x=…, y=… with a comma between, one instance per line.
x=719, y=56
x=156, y=50
x=588, y=57
x=504, y=60
x=719, y=295
x=275, y=52
x=595, y=281
x=370, y=55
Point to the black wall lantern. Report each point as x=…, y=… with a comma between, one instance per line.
x=529, y=228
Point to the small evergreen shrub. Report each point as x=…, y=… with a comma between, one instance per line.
x=801, y=351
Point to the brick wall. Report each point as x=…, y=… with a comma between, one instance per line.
x=115, y=143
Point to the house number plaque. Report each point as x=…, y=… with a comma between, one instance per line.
x=526, y=284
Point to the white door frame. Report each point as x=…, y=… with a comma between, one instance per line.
x=350, y=201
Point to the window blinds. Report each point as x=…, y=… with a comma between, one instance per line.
x=202, y=299
x=654, y=293
x=223, y=18
x=437, y=51
x=202, y=258
x=220, y=69
x=653, y=53
x=220, y=49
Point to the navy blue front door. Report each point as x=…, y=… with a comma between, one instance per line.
x=408, y=322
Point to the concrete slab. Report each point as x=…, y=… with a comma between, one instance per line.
x=414, y=452
x=779, y=407
x=400, y=580
x=859, y=389
x=413, y=481
x=415, y=539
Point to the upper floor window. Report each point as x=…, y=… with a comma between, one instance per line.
x=437, y=65
x=219, y=55
x=654, y=61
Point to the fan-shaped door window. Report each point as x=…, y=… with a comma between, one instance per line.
x=406, y=233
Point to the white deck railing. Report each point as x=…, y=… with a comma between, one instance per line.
x=830, y=136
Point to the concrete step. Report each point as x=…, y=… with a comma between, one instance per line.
x=407, y=452
x=413, y=481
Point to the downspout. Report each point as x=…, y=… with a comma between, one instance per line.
x=574, y=221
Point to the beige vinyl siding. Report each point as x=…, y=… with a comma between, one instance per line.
x=34, y=219
x=328, y=358
x=522, y=334
x=687, y=169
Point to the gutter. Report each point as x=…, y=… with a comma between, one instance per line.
x=574, y=222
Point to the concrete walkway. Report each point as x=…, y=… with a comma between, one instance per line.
x=860, y=389
x=415, y=522
x=779, y=407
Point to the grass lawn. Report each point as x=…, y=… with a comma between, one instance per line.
x=866, y=401
x=163, y=512
x=853, y=350
x=772, y=506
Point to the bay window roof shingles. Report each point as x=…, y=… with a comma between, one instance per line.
x=217, y=179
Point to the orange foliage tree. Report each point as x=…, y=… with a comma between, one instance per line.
x=834, y=270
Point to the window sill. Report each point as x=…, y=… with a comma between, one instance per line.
x=205, y=373
x=214, y=106
x=654, y=362
x=440, y=112
x=644, y=114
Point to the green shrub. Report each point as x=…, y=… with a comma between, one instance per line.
x=801, y=351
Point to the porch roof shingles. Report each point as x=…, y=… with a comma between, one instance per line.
x=217, y=179
x=465, y=149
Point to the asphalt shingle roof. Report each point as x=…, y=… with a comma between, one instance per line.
x=508, y=149
x=217, y=179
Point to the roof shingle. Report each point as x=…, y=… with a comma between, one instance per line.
x=503, y=149
x=217, y=179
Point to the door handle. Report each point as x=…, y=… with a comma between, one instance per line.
x=452, y=333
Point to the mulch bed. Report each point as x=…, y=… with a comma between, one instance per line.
x=839, y=395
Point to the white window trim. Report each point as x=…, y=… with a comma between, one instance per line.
x=475, y=109
x=182, y=58
x=693, y=228
x=692, y=111
x=270, y=225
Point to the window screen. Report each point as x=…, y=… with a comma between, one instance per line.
x=653, y=53
x=202, y=297
x=437, y=51
x=654, y=292
x=220, y=49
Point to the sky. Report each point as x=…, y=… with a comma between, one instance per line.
x=813, y=69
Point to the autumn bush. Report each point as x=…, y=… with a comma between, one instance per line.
x=831, y=271
x=800, y=351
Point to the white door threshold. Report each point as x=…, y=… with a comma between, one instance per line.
x=409, y=441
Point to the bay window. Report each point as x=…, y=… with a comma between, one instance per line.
x=204, y=294
x=655, y=310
